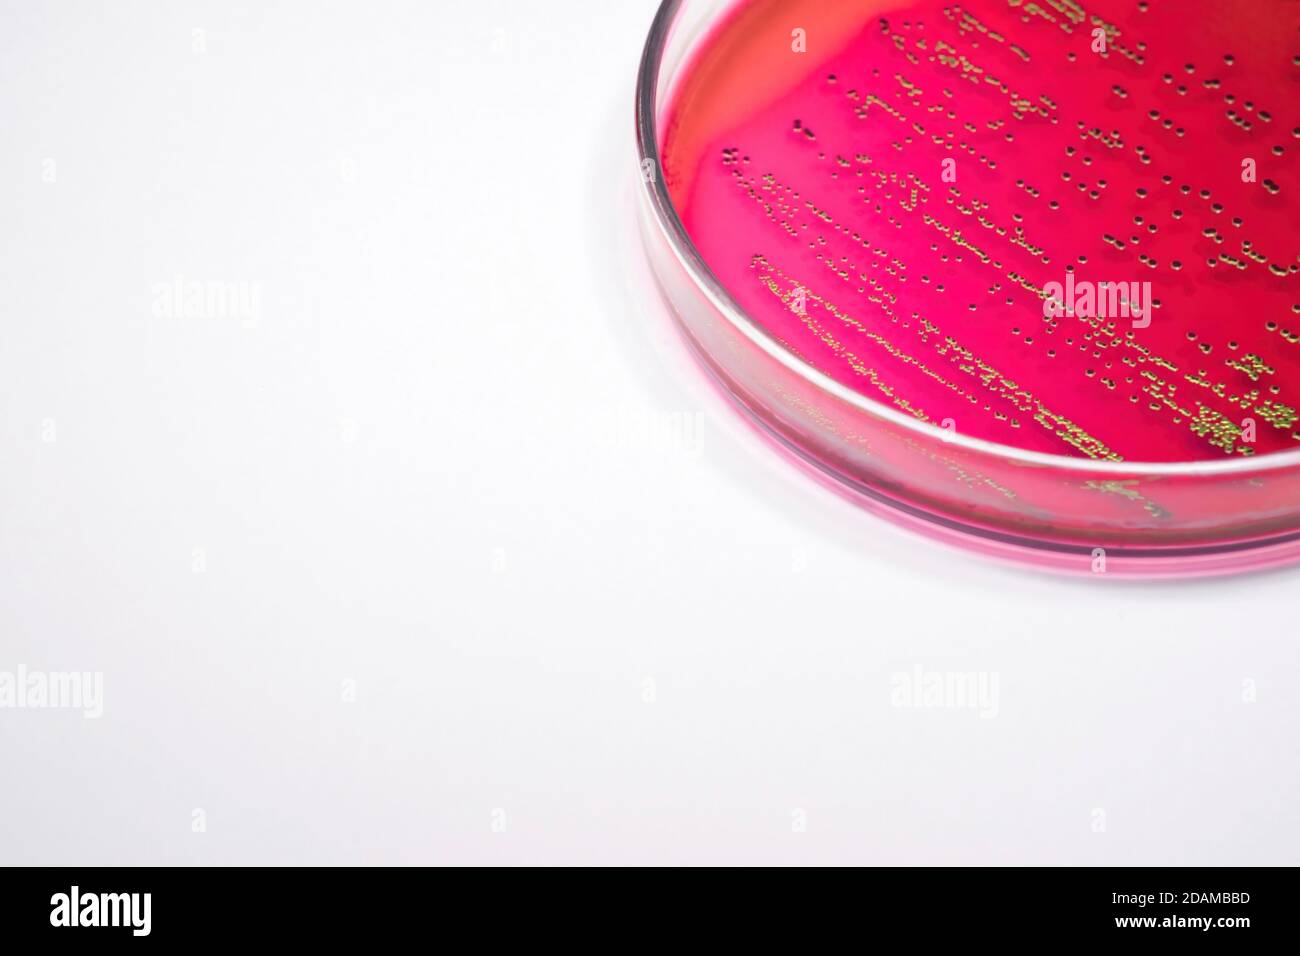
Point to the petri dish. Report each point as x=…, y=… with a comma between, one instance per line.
x=1023, y=277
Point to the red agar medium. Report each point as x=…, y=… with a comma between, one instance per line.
x=1066, y=230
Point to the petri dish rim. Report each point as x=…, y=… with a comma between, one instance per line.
x=666, y=219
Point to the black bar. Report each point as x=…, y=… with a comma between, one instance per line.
x=365, y=906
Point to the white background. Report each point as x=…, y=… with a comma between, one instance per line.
x=462, y=461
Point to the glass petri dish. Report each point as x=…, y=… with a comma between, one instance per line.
x=1066, y=512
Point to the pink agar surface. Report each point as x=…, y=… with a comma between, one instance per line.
x=1067, y=228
